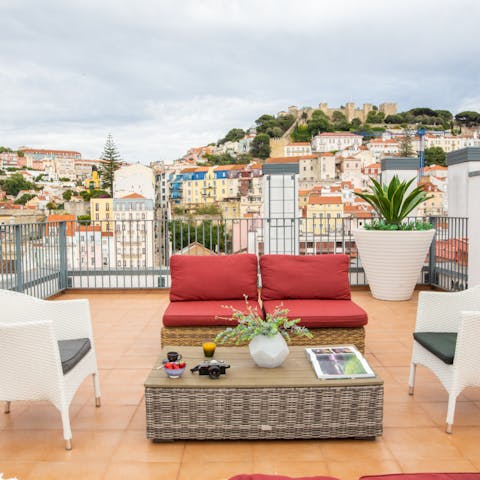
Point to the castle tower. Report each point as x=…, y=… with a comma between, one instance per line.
x=388, y=108
x=349, y=111
x=367, y=108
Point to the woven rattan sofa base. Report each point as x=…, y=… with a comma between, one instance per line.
x=287, y=402
x=195, y=336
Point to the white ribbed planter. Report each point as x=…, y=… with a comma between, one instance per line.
x=268, y=352
x=392, y=260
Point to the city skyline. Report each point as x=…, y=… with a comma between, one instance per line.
x=167, y=77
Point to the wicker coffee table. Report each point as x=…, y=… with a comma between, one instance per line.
x=288, y=402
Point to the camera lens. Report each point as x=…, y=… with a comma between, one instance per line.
x=214, y=371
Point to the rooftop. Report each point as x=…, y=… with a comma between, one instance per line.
x=110, y=442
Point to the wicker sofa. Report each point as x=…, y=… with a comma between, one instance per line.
x=313, y=288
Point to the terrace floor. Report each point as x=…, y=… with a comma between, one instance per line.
x=109, y=442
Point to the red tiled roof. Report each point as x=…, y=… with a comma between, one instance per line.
x=320, y=200
x=133, y=195
x=41, y=150
x=298, y=144
x=283, y=160
x=338, y=134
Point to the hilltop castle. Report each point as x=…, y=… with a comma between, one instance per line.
x=349, y=110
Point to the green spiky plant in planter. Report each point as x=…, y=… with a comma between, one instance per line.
x=393, y=203
x=392, y=249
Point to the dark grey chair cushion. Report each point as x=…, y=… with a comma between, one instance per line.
x=441, y=344
x=72, y=351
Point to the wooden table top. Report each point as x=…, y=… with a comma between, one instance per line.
x=296, y=371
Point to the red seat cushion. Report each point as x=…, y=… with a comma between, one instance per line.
x=260, y=476
x=204, y=313
x=322, y=313
x=423, y=476
x=213, y=277
x=305, y=276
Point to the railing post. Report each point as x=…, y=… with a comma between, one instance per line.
x=432, y=257
x=18, y=258
x=62, y=245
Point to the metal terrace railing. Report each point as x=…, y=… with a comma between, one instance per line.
x=45, y=258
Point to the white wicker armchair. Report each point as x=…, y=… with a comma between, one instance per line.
x=30, y=356
x=457, y=312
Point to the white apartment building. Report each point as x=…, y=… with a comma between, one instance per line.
x=134, y=227
x=331, y=141
x=297, y=149
x=135, y=178
x=352, y=171
x=383, y=148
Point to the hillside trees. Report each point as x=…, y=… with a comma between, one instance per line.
x=261, y=146
x=112, y=158
x=405, y=144
x=435, y=156
x=234, y=135
x=211, y=235
x=468, y=118
x=274, y=127
x=13, y=184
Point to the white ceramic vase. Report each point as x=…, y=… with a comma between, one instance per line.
x=268, y=352
x=392, y=260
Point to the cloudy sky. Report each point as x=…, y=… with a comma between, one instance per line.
x=163, y=76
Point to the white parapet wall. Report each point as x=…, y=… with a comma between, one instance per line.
x=464, y=201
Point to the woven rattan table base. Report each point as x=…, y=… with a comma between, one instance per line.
x=249, y=402
x=264, y=413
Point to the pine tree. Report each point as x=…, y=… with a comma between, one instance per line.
x=405, y=145
x=112, y=158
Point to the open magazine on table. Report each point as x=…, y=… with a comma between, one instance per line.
x=338, y=361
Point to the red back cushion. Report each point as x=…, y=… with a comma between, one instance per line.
x=213, y=277
x=305, y=276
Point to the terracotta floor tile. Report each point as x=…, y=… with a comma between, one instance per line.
x=87, y=446
x=405, y=415
x=467, y=441
x=354, y=469
x=138, y=420
x=297, y=468
x=28, y=445
x=338, y=450
x=16, y=469
x=420, y=444
x=466, y=413
x=232, y=451
x=115, y=394
x=293, y=451
x=135, y=447
x=38, y=416
x=213, y=470
x=67, y=470
x=107, y=417
x=142, y=471
x=438, y=465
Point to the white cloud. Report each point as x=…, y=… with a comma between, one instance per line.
x=164, y=76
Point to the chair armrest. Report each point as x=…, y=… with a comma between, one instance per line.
x=440, y=311
x=71, y=318
x=467, y=351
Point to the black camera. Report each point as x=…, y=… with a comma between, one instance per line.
x=212, y=368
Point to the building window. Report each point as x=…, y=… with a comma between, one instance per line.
x=107, y=207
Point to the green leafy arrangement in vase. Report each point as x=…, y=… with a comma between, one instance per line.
x=392, y=202
x=251, y=324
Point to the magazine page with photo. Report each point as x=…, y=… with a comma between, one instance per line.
x=338, y=361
